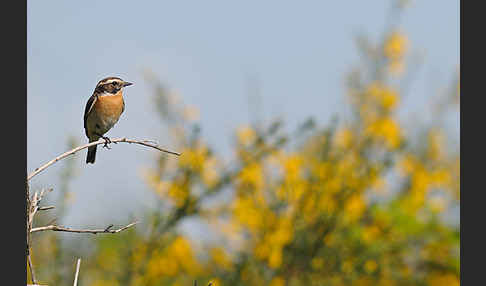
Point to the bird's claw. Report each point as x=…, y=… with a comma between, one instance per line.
x=107, y=141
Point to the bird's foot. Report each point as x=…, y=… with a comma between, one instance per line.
x=107, y=141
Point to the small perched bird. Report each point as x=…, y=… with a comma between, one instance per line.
x=102, y=111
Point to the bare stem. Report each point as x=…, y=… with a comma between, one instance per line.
x=93, y=231
x=32, y=207
x=45, y=208
x=32, y=275
x=77, y=272
x=147, y=143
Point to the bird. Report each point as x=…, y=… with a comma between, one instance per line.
x=102, y=111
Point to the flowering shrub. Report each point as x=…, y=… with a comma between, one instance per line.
x=358, y=202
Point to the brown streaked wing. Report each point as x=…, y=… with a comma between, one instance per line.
x=87, y=109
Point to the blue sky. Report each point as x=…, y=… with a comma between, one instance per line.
x=205, y=51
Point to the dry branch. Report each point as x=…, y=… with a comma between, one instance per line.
x=147, y=143
x=33, y=203
x=77, y=272
x=32, y=273
x=45, y=208
x=33, y=207
x=93, y=231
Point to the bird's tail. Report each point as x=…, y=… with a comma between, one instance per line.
x=91, y=154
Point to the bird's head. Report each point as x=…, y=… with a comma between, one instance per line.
x=111, y=85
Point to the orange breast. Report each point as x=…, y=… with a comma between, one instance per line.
x=110, y=106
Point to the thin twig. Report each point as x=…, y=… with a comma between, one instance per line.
x=28, y=236
x=108, y=227
x=36, y=199
x=77, y=272
x=147, y=143
x=93, y=231
x=32, y=275
x=33, y=207
x=45, y=208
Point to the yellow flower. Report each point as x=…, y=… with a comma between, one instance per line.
x=181, y=248
x=139, y=254
x=396, y=67
x=379, y=185
x=395, y=46
x=389, y=99
x=159, y=265
x=374, y=90
x=193, y=158
x=247, y=213
x=327, y=202
x=277, y=281
x=180, y=251
x=292, y=165
x=308, y=208
x=210, y=175
x=420, y=180
x=329, y=239
x=385, y=281
x=162, y=188
x=371, y=233
x=437, y=204
x=415, y=200
x=283, y=234
x=385, y=96
x=317, y=263
x=252, y=175
x=245, y=274
x=364, y=281
x=354, y=207
x=262, y=250
x=322, y=170
x=334, y=184
x=440, y=177
x=407, y=165
x=370, y=266
x=246, y=135
x=443, y=279
x=275, y=258
x=386, y=129
x=458, y=94
x=219, y=257
x=435, y=151
x=215, y=282
x=103, y=282
x=344, y=138
x=347, y=266
x=178, y=194
x=190, y=113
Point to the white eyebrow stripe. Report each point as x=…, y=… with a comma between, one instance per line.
x=111, y=80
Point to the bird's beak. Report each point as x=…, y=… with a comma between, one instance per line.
x=126, y=83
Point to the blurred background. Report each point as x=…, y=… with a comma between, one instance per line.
x=320, y=143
